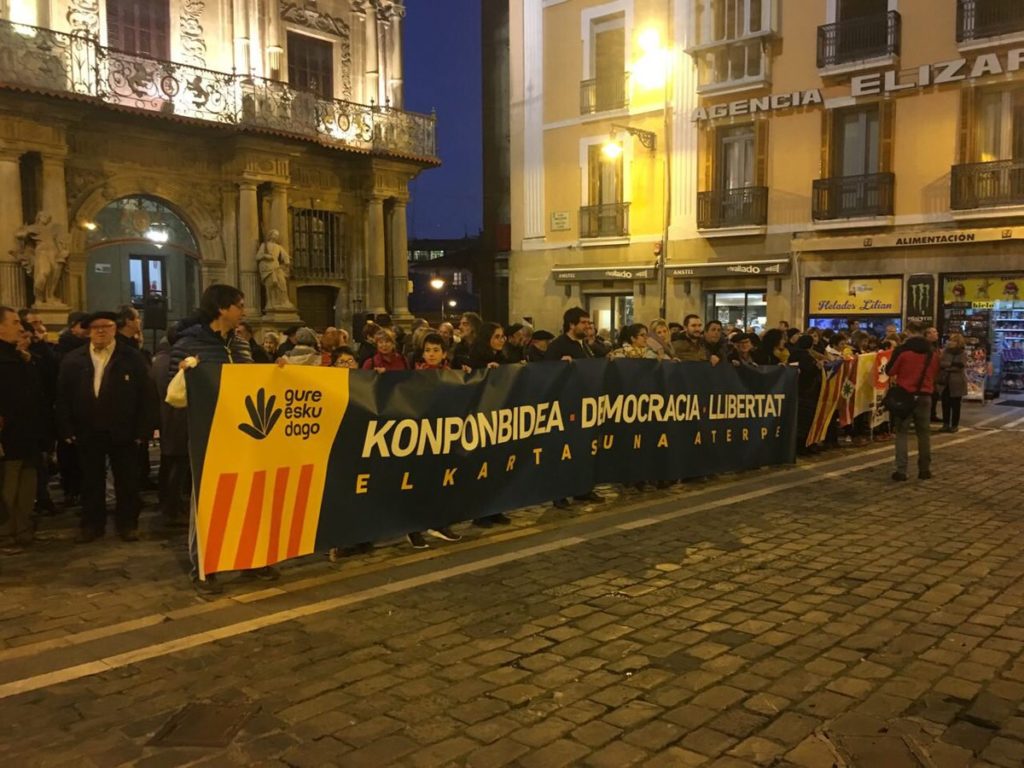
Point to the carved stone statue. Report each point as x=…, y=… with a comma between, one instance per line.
x=274, y=265
x=42, y=250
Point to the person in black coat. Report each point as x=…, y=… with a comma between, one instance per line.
x=104, y=409
x=70, y=339
x=22, y=429
x=212, y=340
x=572, y=344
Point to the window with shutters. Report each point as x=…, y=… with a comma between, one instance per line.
x=735, y=193
x=311, y=65
x=991, y=149
x=139, y=26
x=604, y=213
x=605, y=89
x=732, y=45
x=856, y=162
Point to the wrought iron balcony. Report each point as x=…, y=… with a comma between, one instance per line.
x=987, y=185
x=869, y=37
x=56, y=62
x=608, y=220
x=741, y=207
x=602, y=94
x=978, y=19
x=848, y=197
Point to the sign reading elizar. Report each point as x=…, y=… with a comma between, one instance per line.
x=877, y=83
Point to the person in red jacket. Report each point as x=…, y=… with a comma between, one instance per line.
x=913, y=368
x=386, y=358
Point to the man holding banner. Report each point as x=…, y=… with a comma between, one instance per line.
x=213, y=342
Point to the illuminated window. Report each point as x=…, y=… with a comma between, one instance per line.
x=311, y=65
x=731, y=48
x=140, y=27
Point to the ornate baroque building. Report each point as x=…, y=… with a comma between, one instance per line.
x=160, y=142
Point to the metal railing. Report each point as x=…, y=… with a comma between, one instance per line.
x=846, y=197
x=988, y=18
x=608, y=220
x=740, y=207
x=987, y=185
x=868, y=37
x=602, y=94
x=58, y=62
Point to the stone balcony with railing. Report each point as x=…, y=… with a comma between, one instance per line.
x=51, y=62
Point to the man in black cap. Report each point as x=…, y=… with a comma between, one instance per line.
x=103, y=410
x=538, y=346
x=515, y=352
x=289, y=342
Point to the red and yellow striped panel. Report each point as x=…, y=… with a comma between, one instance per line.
x=264, y=471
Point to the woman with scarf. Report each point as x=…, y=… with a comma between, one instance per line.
x=634, y=343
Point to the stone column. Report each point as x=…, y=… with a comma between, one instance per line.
x=396, y=87
x=248, y=244
x=371, y=56
x=399, y=264
x=375, y=252
x=12, y=275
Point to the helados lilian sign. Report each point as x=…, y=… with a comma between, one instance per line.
x=291, y=461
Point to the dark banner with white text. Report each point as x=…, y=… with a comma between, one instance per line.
x=289, y=461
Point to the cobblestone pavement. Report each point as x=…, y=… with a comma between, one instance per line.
x=815, y=615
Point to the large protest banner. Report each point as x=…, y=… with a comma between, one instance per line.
x=289, y=461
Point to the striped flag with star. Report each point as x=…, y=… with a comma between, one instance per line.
x=832, y=378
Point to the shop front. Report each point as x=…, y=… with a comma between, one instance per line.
x=868, y=302
x=988, y=309
x=734, y=293
x=610, y=293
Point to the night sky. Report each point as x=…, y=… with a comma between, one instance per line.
x=442, y=72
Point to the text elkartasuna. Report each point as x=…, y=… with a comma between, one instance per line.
x=439, y=436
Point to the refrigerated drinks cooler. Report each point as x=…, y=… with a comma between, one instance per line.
x=1008, y=345
x=973, y=323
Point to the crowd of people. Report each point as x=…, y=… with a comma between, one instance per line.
x=86, y=406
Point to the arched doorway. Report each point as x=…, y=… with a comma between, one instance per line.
x=140, y=252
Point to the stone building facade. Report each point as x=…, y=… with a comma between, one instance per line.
x=166, y=139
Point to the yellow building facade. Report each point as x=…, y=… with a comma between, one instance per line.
x=814, y=161
x=149, y=148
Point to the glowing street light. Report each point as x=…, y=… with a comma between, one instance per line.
x=437, y=283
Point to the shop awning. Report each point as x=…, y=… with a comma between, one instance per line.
x=571, y=273
x=767, y=267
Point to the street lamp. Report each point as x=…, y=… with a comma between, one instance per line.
x=437, y=283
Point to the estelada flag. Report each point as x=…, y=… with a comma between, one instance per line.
x=857, y=394
x=828, y=398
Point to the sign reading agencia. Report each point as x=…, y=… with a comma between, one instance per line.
x=876, y=83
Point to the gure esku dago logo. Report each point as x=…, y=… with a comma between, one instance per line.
x=262, y=414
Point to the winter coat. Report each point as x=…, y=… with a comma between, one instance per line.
x=687, y=349
x=393, y=362
x=21, y=405
x=209, y=346
x=908, y=361
x=563, y=346
x=300, y=354
x=951, y=372
x=125, y=408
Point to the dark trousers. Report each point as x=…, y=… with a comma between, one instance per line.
x=93, y=453
x=950, y=409
x=175, y=487
x=70, y=470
